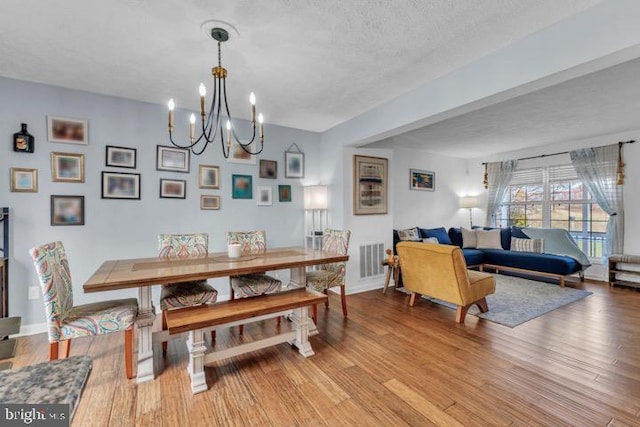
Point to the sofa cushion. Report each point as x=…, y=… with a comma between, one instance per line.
x=527, y=245
x=410, y=235
x=468, y=238
x=488, y=239
x=439, y=233
x=505, y=236
x=455, y=235
x=529, y=261
x=473, y=256
x=517, y=232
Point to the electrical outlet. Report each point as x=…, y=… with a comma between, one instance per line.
x=34, y=292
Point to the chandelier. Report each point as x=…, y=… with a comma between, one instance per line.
x=219, y=110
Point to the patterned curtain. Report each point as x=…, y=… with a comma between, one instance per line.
x=598, y=170
x=498, y=176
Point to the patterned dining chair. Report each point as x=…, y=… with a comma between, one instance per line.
x=250, y=285
x=331, y=275
x=185, y=294
x=66, y=321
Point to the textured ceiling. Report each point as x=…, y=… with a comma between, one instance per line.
x=600, y=103
x=312, y=64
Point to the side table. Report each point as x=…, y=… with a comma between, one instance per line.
x=393, y=268
x=615, y=268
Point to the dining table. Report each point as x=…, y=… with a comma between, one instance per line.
x=144, y=273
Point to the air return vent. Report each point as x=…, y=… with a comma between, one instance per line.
x=370, y=257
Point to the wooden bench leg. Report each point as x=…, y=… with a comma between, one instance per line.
x=195, y=344
x=128, y=352
x=300, y=320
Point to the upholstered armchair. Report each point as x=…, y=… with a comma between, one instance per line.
x=440, y=271
x=66, y=321
x=250, y=285
x=186, y=294
x=331, y=275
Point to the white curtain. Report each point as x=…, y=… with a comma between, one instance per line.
x=499, y=176
x=597, y=168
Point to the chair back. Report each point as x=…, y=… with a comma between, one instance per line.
x=52, y=267
x=435, y=270
x=336, y=242
x=251, y=242
x=183, y=245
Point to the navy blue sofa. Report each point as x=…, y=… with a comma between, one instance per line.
x=520, y=263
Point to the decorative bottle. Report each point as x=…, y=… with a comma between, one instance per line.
x=23, y=140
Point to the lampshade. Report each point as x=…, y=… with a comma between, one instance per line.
x=315, y=197
x=469, y=202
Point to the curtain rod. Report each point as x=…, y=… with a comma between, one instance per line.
x=631, y=141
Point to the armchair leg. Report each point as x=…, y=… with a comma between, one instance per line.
x=53, y=350
x=65, y=348
x=482, y=305
x=461, y=313
x=128, y=352
x=343, y=298
x=414, y=298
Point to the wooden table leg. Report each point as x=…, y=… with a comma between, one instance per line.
x=300, y=319
x=195, y=344
x=146, y=317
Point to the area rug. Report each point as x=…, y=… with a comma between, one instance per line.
x=518, y=300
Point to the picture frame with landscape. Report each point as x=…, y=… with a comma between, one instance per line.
x=422, y=180
x=120, y=157
x=67, y=210
x=118, y=185
x=209, y=176
x=24, y=180
x=173, y=189
x=67, y=167
x=172, y=159
x=67, y=130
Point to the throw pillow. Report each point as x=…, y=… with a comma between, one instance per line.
x=410, y=235
x=468, y=238
x=438, y=233
x=430, y=240
x=488, y=239
x=527, y=245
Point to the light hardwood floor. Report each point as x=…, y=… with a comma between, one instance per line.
x=390, y=365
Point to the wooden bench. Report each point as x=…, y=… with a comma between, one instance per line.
x=240, y=311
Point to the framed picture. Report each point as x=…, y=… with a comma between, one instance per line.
x=173, y=189
x=120, y=157
x=67, y=167
x=209, y=176
x=238, y=155
x=67, y=210
x=172, y=159
x=369, y=185
x=265, y=196
x=284, y=193
x=422, y=180
x=242, y=186
x=24, y=180
x=69, y=131
x=268, y=169
x=293, y=164
x=117, y=185
x=209, y=203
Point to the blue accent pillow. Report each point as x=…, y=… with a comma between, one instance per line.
x=438, y=233
x=518, y=233
x=455, y=235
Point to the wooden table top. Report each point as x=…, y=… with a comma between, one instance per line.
x=202, y=316
x=136, y=272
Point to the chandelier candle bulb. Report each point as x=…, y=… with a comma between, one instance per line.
x=252, y=100
x=171, y=106
x=203, y=91
x=228, y=133
x=192, y=126
x=261, y=120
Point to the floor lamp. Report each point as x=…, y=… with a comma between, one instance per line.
x=315, y=201
x=469, y=202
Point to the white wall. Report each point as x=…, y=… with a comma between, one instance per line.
x=127, y=228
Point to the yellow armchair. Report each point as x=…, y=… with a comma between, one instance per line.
x=440, y=271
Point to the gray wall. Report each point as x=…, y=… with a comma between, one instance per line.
x=127, y=228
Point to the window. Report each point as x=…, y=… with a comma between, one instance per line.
x=555, y=197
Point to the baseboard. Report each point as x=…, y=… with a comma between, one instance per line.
x=33, y=329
